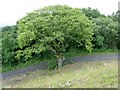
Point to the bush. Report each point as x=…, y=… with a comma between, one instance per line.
x=105, y=33
x=52, y=64
x=9, y=45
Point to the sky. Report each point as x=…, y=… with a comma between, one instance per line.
x=13, y=10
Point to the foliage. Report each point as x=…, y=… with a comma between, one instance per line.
x=92, y=13
x=105, y=33
x=116, y=18
x=9, y=45
x=105, y=28
x=53, y=28
x=0, y=49
x=55, y=31
x=52, y=64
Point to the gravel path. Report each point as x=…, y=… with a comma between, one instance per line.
x=43, y=65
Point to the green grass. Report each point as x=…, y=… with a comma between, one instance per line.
x=86, y=74
x=69, y=54
x=74, y=52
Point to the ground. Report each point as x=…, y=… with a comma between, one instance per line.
x=101, y=73
x=43, y=65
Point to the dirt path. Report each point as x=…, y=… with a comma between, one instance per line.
x=43, y=65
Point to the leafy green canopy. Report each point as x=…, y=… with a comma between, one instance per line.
x=105, y=28
x=105, y=33
x=53, y=28
x=9, y=45
x=92, y=13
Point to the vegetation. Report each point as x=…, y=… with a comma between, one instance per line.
x=0, y=41
x=86, y=74
x=52, y=62
x=53, y=28
x=105, y=33
x=105, y=28
x=54, y=31
x=92, y=13
x=9, y=45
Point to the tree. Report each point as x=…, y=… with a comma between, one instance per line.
x=9, y=45
x=105, y=33
x=92, y=13
x=53, y=28
x=116, y=18
x=0, y=45
x=105, y=28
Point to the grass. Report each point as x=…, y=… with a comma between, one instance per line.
x=74, y=52
x=69, y=54
x=86, y=74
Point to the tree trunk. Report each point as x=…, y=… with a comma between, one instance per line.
x=59, y=57
x=60, y=62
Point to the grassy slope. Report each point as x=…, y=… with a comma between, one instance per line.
x=87, y=74
x=68, y=54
